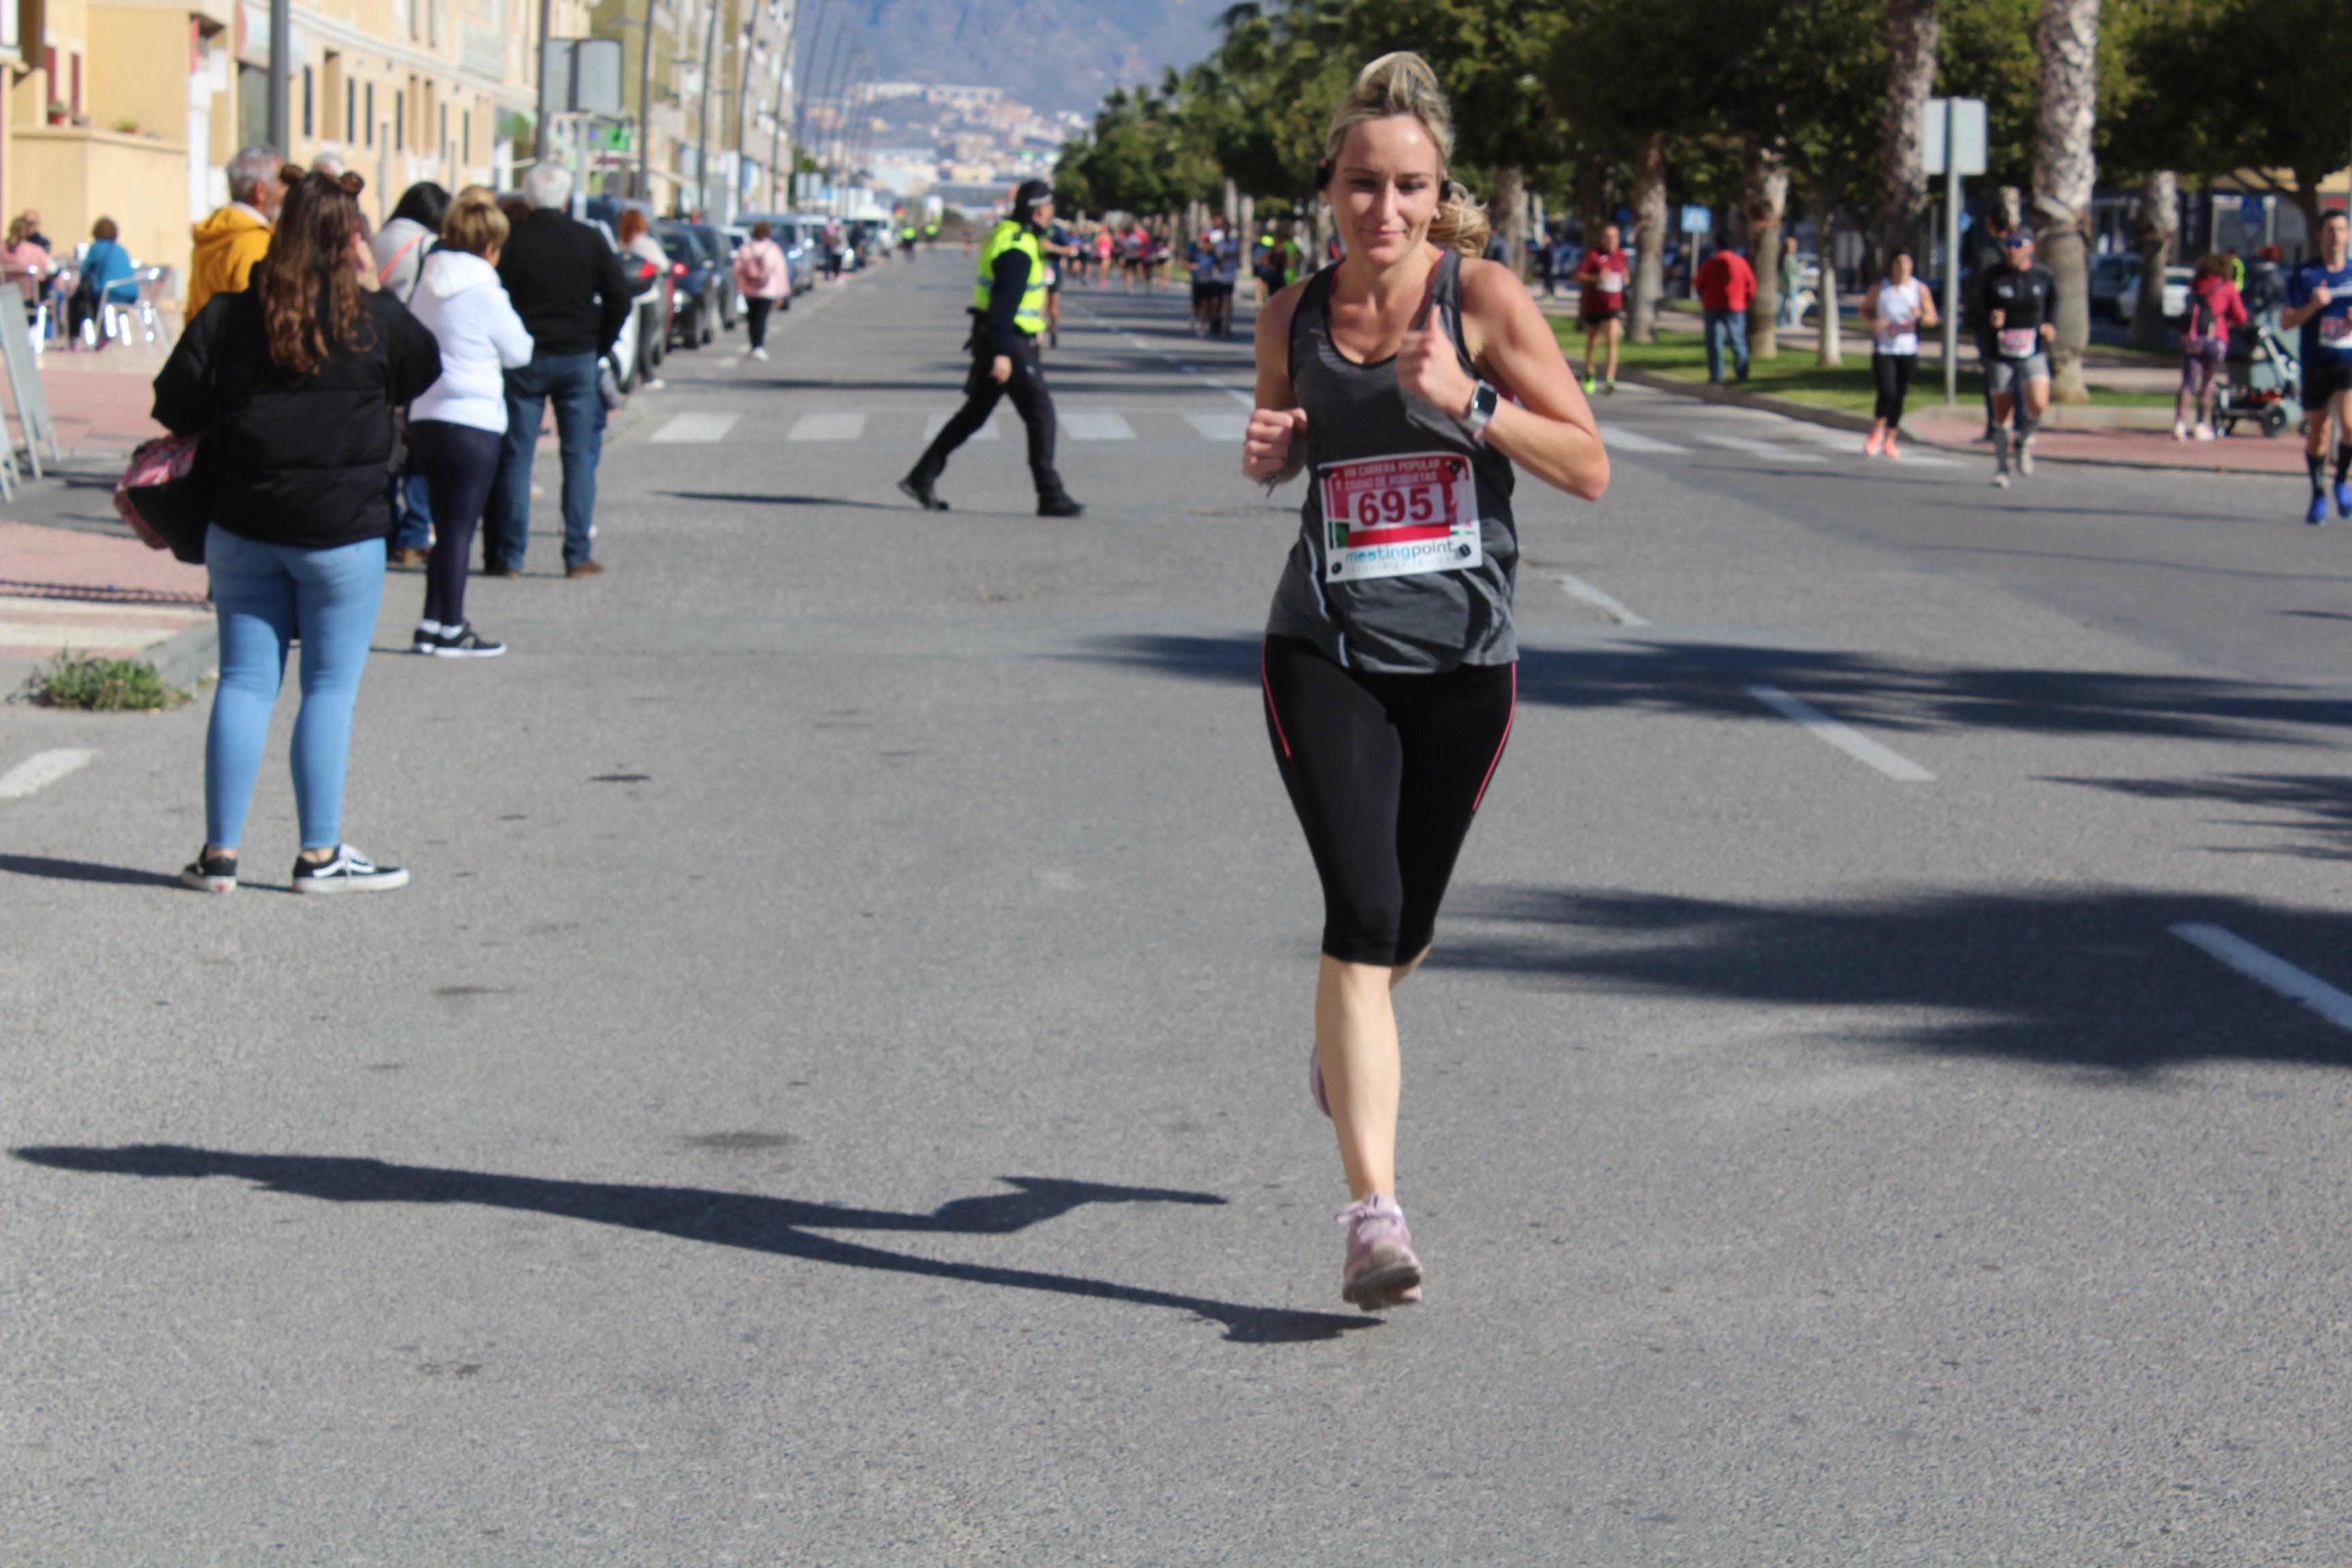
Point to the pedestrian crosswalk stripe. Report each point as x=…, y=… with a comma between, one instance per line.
x=1618, y=438
x=1219, y=426
x=827, y=427
x=697, y=427
x=939, y=422
x=1756, y=448
x=41, y=770
x=1096, y=427
x=1851, y=443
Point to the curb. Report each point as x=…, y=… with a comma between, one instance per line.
x=185, y=658
x=1836, y=419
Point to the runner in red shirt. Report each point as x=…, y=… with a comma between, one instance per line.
x=1725, y=284
x=1600, y=286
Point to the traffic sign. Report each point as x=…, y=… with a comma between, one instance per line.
x=1967, y=122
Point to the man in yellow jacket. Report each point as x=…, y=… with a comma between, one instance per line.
x=230, y=241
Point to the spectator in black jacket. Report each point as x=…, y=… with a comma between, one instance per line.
x=292, y=381
x=568, y=286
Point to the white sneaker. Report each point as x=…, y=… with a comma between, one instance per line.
x=2180, y=430
x=348, y=872
x=759, y=354
x=2000, y=479
x=2204, y=432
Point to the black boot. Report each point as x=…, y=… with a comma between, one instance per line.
x=920, y=488
x=1058, y=504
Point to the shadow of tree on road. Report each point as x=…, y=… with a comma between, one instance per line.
x=780, y=1226
x=2091, y=981
x=2316, y=804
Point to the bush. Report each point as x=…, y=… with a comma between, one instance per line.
x=100, y=684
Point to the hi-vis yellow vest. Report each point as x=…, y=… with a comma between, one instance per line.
x=1009, y=235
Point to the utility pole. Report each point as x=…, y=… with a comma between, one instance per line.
x=281, y=41
x=742, y=113
x=702, y=137
x=646, y=112
x=546, y=20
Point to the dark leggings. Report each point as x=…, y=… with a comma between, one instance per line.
x=458, y=462
x=1385, y=773
x=755, y=319
x=1893, y=375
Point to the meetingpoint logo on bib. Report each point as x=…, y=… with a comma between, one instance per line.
x=1397, y=517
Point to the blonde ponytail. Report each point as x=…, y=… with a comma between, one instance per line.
x=1402, y=83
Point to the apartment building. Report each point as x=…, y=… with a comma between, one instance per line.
x=131, y=109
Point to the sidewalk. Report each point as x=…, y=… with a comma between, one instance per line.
x=70, y=589
x=99, y=401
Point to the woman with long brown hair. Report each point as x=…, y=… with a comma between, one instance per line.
x=293, y=381
x=1407, y=381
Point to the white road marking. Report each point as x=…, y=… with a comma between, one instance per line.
x=1755, y=449
x=1617, y=438
x=827, y=427
x=939, y=422
x=1607, y=603
x=2267, y=969
x=1097, y=426
x=40, y=770
x=696, y=427
x=1851, y=443
x=1219, y=426
x=1845, y=738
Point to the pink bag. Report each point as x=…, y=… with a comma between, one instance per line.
x=165, y=495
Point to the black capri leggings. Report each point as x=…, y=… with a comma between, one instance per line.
x=1385, y=773
x=1893, y=375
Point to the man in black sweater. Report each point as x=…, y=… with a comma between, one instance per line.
x=568, y=287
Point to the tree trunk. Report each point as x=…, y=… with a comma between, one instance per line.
x=1592, y=201
x=1914, y=28
x=2063, y=172
x=2159, y=225
x=1766, y=205
x=1511, y=216
x=1649, y=236
x=1832, y=349
x=1247, y=233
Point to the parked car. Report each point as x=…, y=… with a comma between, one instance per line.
x=721, y=249
x=2177, y=280
x=2115, y=281
x=695, y=273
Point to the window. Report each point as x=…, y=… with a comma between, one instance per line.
x=466, y=132
x=371, y=114
x=445, y=133
x=350, y=108
x=399, y=121
x=309, y=108
x=252, y=105
x=77, y=83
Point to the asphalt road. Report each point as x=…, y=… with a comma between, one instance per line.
x=833, y=1092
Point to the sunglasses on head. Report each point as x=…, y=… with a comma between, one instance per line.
x=2015, y=244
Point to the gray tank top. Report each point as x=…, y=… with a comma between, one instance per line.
x=1406, y=551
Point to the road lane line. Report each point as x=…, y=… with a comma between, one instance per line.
x=826, y=427
x=2269, y=970
x=1607, y=603
x=1096, y=427
x=696, y=427
x=1845, y=738
x=41, y=770
x=1617, y=438
x=1755, y=449
x=939, y=422
x=1219, y=426
x=1852, y=444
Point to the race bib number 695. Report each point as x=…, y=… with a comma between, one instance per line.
x=1400, y=516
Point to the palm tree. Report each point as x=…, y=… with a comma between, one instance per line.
x=2063, y=172
x=1913, y=29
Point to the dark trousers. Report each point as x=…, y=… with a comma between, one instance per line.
x=1891, y=374
x=1025, y=386
x=1727, y=327
x=569, y=382
x=458, y=463
x=755, y=320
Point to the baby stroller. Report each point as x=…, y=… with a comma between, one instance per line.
x=2273, y=375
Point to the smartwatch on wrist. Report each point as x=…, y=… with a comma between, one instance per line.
x=1484, y=401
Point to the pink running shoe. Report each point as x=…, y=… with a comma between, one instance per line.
x=1381, y=1269
x=1314, y=1080
x=1892, y=450
x=1870, y=448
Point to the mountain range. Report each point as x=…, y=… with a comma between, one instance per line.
x=1049, y=54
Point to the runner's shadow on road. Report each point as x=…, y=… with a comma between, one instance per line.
x=85, y=871
x=745, y=499
x=757, y=1224
x=2092, y=983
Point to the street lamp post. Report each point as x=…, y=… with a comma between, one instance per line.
x=281, y=71
x=702, y=137
x=742, y=110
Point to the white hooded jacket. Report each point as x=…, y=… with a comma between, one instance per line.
x=465, y=307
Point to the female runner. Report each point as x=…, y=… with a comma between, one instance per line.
x=1406, y=381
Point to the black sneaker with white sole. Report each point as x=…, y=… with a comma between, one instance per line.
x=210, y=873
x=348, y=871
x=465, y=643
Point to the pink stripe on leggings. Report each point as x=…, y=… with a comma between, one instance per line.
x=1276, y=713
x=1501, y=744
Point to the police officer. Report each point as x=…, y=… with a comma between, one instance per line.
x=1008, y=311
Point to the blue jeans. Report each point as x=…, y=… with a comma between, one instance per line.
x=266, y=595
x=1722, y=325
x=411, y=510
x=569, y=380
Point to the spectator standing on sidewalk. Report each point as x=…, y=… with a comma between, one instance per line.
x=458, y=425
x=1792, y=280
x=650, y=262
x=2215, y=306
x=229, y=242
x=1726, y=283
x=568, y=286
x=399, y=252
x=294, y=382
x=1898, y=310
x=762, y=277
